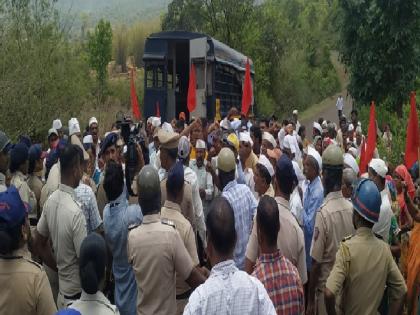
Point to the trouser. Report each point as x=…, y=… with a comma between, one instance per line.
x=340, y=113
x=180, y=305
x=320, y=303
x=53, y=279
x=64, y=301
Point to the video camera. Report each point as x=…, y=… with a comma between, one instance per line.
x=130, y=132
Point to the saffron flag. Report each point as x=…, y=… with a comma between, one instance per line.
x=157, y=109
x=371, y=140
x=247, y=91
x=412, y=143
x=134, y=100
x=192, y=93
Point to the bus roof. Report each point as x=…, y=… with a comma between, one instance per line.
x=220, y=51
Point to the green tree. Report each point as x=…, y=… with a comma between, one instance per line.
x=100, y=53
x=380, y=47
x=42, y=76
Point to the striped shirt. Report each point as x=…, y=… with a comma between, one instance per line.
x=282, y=282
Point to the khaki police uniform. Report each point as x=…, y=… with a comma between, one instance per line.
x=363, y=267
x=63, y=220
x=94, y=304
x=156, y=251
x=172, y=212
x=187, y=208
x=35, y=184
x=332, y=224
x=25, y=288
x=19, y=181
x=290, y=239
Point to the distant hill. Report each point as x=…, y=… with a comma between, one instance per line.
x=116, y=11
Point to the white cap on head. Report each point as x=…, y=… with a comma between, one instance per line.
x=295, y=112
x=88, y=139
x=379, y=167
x=317, y=126
x=314, y=153
x=269, y=137
x=245, y=137
x=57, y=125
x=167, y=127
x=351, y=162
x=236, y=124
x=266, y=163
x=225, y=124
x=324, y=124
x=93, y=120
x=156, y=121
x=200, y=144
x=52, y=131
x=183, y=147
x=74, y=126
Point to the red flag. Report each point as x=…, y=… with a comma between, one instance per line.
x=247, y=90
x=371, y=140
x=412, y=143
x=192, y=93
x=134, y=100
x=362, y=156
x=157, y=109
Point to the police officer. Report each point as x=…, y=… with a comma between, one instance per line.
x=25, y=288
x=171, y=211
x=333, y=222
x=364, y=264
x=156, y=251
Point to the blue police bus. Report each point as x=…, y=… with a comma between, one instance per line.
x=220, y=72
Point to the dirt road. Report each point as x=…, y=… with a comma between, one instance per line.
x=326, y=108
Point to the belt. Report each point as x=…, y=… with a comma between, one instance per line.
x=73, y=297
x=184, y=295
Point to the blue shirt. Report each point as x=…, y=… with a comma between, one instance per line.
x=244, y=206
x=118, y=216
x=313, y=197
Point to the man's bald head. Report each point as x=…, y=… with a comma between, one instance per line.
x=349, y=176
x=268, y=220
x=220, y=224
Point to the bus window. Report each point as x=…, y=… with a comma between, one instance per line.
x=170, y=78
x=159, y=76
x=149, y=76
x=200, y=74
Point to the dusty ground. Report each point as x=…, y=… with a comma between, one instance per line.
x=326, y=108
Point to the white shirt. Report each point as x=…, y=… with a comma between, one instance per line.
x=296, y=206
x=280, y=136
x=230, y=291
x=383, y=225
x=92, y=304
x=290, y=141
x=205, y=181
x=340, y=103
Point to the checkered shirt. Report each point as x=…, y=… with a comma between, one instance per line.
x=282, y=282
x=229, y=291
x=244, y=207
x=87, y=201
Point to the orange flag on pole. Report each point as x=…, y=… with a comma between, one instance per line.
x=192, y=93
x=134, y=100
x=247, y=90
x=412, y=143
x=371, y=140
x=157, y=109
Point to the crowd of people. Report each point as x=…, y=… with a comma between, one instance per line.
x=238, y=216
